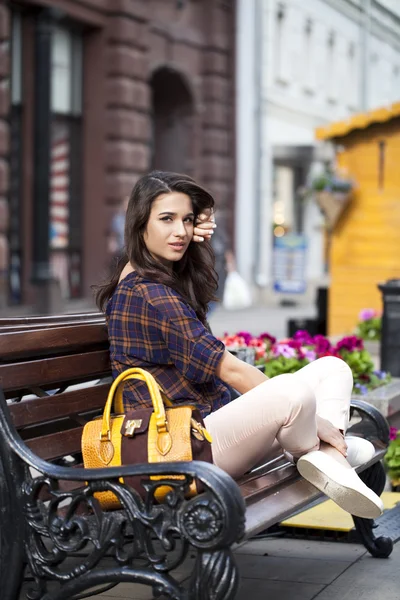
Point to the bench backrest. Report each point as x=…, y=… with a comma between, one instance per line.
x=40, y=359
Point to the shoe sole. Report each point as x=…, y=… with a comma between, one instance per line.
x=344, y=488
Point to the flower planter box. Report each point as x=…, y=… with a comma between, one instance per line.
x=386, y=399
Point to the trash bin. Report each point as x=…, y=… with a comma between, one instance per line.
x=322, y=310
x=315, y=326
x=310, y=325
x=390, y=336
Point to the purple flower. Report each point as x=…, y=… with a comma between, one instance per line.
x=380, y=374
x=296, y=344
x=285, y=350
x=322, y=344
x=362, y=388
x=366, y=314
x=303, y=336
x=246, y=336
x=393, y=433
x=267, y=337
x=350, y=343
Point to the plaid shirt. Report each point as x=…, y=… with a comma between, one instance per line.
x=152, y=327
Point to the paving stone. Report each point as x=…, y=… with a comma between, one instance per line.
x=368, y=579
x=289, y=569
x=303, y=549
x=276, y=590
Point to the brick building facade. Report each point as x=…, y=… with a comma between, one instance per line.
x=134, y=84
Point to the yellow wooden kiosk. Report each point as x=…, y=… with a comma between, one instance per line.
x=365, y=242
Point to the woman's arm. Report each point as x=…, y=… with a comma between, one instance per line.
x=238, y=374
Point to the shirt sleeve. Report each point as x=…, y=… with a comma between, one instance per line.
x=193, y=349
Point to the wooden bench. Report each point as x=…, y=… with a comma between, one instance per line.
x=54, y=376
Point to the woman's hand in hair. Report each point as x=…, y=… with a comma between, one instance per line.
x=204, y=226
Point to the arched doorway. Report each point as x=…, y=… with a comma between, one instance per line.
x=173, y=135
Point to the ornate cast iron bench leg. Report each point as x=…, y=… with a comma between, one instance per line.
x=11, y=527
x=215, y=574
x=374, y=476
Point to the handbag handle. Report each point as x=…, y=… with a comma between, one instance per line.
x=155, y=395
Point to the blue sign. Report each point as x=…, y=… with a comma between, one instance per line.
x=289, y=263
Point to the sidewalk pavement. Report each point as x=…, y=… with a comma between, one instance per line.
x=258, y=319
x=292, y=569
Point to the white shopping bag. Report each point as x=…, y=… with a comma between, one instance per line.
x=237, y=293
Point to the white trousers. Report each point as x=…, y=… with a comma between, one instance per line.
x=281, y=410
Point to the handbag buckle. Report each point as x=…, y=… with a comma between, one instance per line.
x=130, y=427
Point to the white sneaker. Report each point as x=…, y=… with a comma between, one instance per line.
x=359, y=451
x=341, y=484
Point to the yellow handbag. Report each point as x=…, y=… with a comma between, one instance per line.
x=143, y=435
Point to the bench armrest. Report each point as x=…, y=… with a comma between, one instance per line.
x=221, y=491
x=373, y=419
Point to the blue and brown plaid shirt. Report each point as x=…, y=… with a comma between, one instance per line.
x=152, y=327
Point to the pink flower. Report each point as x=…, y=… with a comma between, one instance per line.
x=303, y=336
x=330, y=353
x=367, y=313
x=246, y=336
x=393, y=433
x=266, y=337
x=233, y=341
x=260, y=346
x=310, y=355
x=296, y=344
x=284, y=350
x=349, y=343
x=322, y=344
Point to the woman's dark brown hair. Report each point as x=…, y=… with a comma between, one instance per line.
x=193, y=276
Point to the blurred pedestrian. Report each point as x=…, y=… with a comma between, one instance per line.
x=117, y=230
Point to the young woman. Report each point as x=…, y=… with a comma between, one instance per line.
x=156, y=308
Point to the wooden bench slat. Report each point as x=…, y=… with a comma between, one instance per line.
x=57, y=445
x=52, y=371
x=38, y=410
x=251, y=490
x=70, y=338
x=51, y=319
x=45, y=326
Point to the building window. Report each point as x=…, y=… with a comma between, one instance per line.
x=331, y=79
x=352, y=77
x=309, y=56
x=66, y=152
x=374, y=94
x=281, y=47
x=395, y=91
x=14, y=199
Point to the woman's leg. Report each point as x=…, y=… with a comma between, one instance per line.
x=282, y=408
x=332, y=382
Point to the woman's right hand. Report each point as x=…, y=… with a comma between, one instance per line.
x=204, y=226
x=329, y=434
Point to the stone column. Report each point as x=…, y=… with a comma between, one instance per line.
x=128, y=120
x=218, y=160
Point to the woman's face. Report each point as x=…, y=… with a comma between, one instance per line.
x=169, y=229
